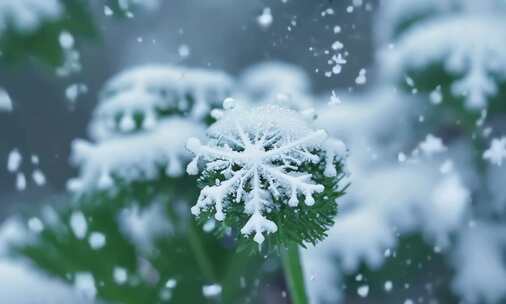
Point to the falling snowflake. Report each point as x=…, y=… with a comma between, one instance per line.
x=432, y=145
x=260, y=153
x=265, y=19
x=5, y=101
x=497, y=151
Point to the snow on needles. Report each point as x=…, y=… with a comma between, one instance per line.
x=140, y=97
x=470, y=47
x=27, y=15
x=141, y=156
x=147, y=4
x=259, y=151
x=480, y=267
x=274, y=78
x=22, y=285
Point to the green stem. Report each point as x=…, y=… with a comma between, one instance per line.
x=198, y=250
x=293, y=274
x=200, y=253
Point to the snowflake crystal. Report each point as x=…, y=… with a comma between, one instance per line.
x=259, y=154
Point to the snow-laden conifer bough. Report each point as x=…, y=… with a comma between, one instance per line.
x=465, y=45
x=268, y=174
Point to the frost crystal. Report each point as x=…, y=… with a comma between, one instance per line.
x=259, y=154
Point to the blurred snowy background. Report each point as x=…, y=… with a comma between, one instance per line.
x=216, y=34
x=414, y=88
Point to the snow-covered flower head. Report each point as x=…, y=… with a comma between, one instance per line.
x=267, y=170
x=140, y=97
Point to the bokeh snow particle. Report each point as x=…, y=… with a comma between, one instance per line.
x=210, y=291
x=265, y=19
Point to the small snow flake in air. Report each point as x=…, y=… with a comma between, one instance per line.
x=409, y=81
x=212, y=290
x=78, y=224
x=35, y=225
x=496, y=153
x=339, y=62
x=436, y=96
x=120, y=275
x=14, y=161
x=388, y=286
x=38, y=177
x=337, y=45
x=97, y=240
x=84, y=284
x=73, y=91
x=108, y=11
x=183, y=51
x=361, y=78
x=265, y=19
x=5, y=101
x=363, y=291
x=401, y=157
x=66, y=40
x=328, y=11
x=432, y=145
x=171, y=283
x=20, y=182
x=334, y=99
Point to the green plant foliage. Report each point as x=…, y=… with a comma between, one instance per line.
x=412, y=264
x=452, y=111
x=43, y=43
x=188, y=255
x=301, y=225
